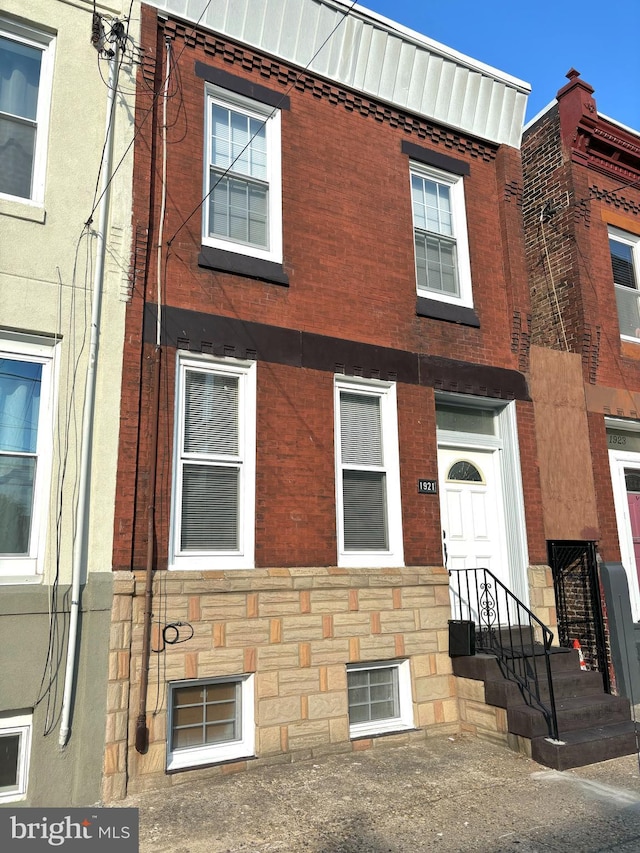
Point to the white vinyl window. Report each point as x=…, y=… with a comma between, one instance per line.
x=625, y=264
x=15, y=749
x=243, y=212
x=369, y=517
x=25, y=454
x=379, y=697
x=440, y=236
x=26, y=70
x=210, y=721
x=214, y=492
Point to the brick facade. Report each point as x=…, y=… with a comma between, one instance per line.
x=345, y=304
x=581, y=176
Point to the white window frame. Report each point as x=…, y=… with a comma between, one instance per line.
x=46, y=43
x=196, y=756
x=393, y=556
x=20, y=725
x=632, y=240
x=272, y=121
x=243, y=557
x=405, y=719
x=17, y=568
x=460, y=234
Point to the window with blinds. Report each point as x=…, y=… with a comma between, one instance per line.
x=211, y=504
x=625, y=253
x=363, y=474
x=367, y=473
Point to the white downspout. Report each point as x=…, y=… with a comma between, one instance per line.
x=82, y=508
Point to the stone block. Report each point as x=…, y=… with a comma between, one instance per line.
x=279, y=657
x=153, y=761
x=375, y=598
x=442, y=595
x=308, y=734
x=434, y=687
x=278, y=603
x=377, y=647
x=422, y=665
x=329, y=600
x=266, y=684
x=339, y=729
x=296, y=682
x=469, y=688
x=426, y=714
x=220, y=662
x=420, y=642
x=337, y=677
x=325, y=705
x=301, y=628
x=328, y=652
x=352, y=624
x=397, y=621
x=417, y=597
x=278, y=710
x=247, y=632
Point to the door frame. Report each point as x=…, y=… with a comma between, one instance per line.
x=505, y=442
x=618, y=461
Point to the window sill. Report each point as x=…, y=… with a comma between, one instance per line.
x=437, y=310
x=245, y=265
x=22, y=210
x=179, y=762
x=393, y=728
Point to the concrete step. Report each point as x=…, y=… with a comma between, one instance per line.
x=583, y=712
x=566, y=685
x=586, y=746
x=483, y=666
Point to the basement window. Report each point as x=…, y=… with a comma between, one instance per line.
x=210, y=721
x=379, y=698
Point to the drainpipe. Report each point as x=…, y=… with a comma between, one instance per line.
x=82, y=507
x=142, y=730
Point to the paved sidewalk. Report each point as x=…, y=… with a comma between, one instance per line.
x=443, y=794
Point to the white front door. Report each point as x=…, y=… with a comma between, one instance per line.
x=625, y=478
x=472, y=516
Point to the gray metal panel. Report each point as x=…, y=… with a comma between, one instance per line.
x=370, y=54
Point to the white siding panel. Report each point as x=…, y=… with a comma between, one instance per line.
x=396, y=65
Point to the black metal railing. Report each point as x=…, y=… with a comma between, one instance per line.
x=506, y=628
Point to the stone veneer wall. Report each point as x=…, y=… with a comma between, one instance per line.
x=296, y=629
x=543, y=598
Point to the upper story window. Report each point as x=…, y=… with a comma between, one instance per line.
x=440, y=234
x=26, y=67
x=243, y=212
x=214, y=484
x=367, y=475
x=25, y=454
x=625, y=262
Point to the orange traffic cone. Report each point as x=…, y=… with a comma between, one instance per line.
x=576, y=645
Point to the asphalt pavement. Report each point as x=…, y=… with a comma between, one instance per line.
x=442, y=794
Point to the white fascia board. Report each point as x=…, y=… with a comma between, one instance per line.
x=372, y=55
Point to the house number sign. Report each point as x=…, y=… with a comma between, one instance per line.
x=428, y=487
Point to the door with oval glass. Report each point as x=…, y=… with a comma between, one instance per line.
x=472, y=516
